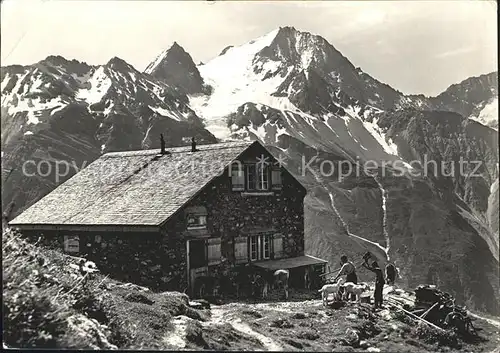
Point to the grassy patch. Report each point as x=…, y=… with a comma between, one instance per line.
x=49, y=304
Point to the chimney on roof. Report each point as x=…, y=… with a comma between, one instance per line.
x=193, y=145
x=162, y=145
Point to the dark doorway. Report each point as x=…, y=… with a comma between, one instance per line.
x=197, y=254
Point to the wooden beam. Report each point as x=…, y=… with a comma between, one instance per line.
x=427, y=312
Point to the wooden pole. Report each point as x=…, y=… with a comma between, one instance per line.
x=428, y=310
x=325, y=274
x=417, y=317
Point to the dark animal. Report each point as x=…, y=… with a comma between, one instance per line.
x=258, y=284
x=281, y=278
x=307, y=279
x=227, y=285
x=243, y=279
x=207, y=286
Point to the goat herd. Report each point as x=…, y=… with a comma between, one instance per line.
x=258, y=284
x=342, y=290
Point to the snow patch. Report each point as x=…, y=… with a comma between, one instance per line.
x=489, y=114
x=149, y=69
x=164, y=112
x=34, y=107
x=377, y=133
x=235, y=83
x=100, y=83
x=5, y=81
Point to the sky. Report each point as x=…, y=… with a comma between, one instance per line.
x=414, y=46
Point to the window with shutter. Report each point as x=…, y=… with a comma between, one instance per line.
x=278, y=246
x=196, y=217
x=276, y=179
x=259, y=247
x=257, y=177
x=237, y=177
x=240, y=249
x=72, y=243
x=214, y=251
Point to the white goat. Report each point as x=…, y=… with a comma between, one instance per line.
x=356, y=289
x=331, y=288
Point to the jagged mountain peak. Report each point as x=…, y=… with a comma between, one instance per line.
x=59, y=60
x=119, y=64
x=475, y=97
x=61, y=63
x=174, y=51
x=55, y=59
x=291, y=70
x=486, y=82
x=176, y=67
x=176, y=47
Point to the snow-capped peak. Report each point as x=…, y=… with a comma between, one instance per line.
x=237, y=77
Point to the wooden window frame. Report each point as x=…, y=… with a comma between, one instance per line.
x=197, y=225
x=67, y=239
x=262, y=177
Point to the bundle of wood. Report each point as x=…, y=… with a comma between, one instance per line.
x=440, y=309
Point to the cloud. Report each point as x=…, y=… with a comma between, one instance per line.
x=455, y=52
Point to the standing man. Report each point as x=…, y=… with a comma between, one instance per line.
x=349, y=270
x=379, y=282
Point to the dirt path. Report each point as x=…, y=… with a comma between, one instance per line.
x=267, y=342
x=229, y=313
x=177, y=338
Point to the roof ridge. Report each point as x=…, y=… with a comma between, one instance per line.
x=180, y=149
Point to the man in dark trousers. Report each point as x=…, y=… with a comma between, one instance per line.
x=379, y=282
x=349, y=270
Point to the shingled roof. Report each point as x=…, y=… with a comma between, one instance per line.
x=136, y=188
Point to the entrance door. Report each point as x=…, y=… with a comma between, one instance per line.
x=198, y=264
x=197, y=254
